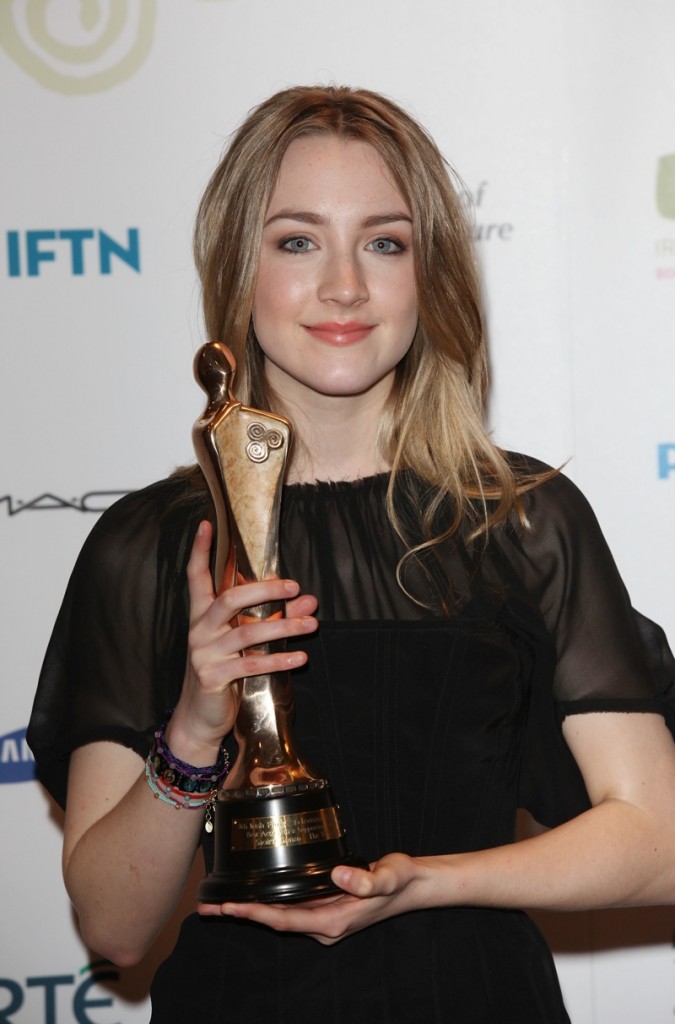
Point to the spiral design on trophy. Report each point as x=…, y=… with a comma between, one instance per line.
x=262, y=441
x=78, y=46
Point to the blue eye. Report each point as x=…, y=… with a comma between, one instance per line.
x=386, y=246
x=298, y=243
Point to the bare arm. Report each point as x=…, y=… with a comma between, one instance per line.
x=127, y=855
x=620, y=852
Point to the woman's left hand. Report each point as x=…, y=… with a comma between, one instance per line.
x=392, y=886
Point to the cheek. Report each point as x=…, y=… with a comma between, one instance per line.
x=398, y=290
x=279, y=284
x=279, y=293
x=408, y=320
x=403, y=304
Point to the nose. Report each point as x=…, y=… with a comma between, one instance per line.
x=343, y=279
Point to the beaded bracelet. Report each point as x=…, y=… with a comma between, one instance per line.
x=162, y=768
x=176, y=798
x=180, y=784
x=186, y=772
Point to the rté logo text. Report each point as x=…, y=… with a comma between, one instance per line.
x=58, y=997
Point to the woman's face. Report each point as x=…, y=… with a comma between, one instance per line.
x=335, y=306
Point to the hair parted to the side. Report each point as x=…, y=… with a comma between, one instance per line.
x=433, y=424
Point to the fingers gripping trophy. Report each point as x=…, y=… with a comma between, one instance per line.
x=277, y=829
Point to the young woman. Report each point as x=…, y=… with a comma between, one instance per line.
x=476, y=650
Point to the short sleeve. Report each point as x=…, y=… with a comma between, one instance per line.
x=592, y=651
x=607, y=657
x=116, y=657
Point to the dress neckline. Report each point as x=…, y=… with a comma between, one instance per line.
x=375, y=482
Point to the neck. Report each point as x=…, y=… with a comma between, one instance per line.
x=335, y=439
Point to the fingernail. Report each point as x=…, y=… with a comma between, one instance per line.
x=291, y=587
x=293, y=660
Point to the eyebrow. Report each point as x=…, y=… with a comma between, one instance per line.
x=308, y=217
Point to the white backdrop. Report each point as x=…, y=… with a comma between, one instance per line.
x=558, y=114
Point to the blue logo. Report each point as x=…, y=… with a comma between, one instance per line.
x=85, y=250
x=17, y=764
x=666, y=460
x=40, y=994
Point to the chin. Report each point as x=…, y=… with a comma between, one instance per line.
x=347, y=385
x=343, y=390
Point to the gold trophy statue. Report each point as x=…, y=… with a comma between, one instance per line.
x=277, y=830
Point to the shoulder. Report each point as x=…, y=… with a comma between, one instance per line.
x=141, y=525
x=552, y=500
x=560, y=541
x=148, y=504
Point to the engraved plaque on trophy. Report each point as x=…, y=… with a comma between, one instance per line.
x=277, y=829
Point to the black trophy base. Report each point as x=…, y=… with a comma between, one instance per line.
x=276, y=849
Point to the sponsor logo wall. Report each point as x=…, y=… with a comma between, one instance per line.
x=119, y=110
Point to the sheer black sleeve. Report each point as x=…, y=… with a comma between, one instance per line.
x=116, y=658
x=593, y=651
x=607, y=656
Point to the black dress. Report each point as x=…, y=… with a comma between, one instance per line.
x=432, y=727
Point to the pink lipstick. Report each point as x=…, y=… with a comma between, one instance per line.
x=340, y=333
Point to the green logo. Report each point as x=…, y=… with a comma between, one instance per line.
x=665, y=186
x=80, y=47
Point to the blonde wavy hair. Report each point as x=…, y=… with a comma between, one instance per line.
x=433, y=423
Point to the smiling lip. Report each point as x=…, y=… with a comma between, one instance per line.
x=340, y=334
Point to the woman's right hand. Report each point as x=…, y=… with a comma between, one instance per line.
x=126, y=854
x=219, y=651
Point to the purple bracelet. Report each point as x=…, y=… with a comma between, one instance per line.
x=180, y=775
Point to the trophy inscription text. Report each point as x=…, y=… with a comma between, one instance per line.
x=285, y=830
